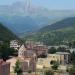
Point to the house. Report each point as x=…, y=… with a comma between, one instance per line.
x=27, y=58
x=40, y=50
x=46, y=62
x=64, y=57
x=4, y=68
x=61, y=57
x=31, y=44
x=28, y=64
x=15, y=44
x=37, y=47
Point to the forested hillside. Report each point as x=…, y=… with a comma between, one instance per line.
x=6, y=34
x=57, y=33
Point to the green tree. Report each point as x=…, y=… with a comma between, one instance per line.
x=72, y=70
x=55, y=65
x=70, y=44
x=43, y=55
x=52, y=50
x=17, y=68
x=73, y=44
x=52, y=62
x=73, y=57
x=61, y=49
x=48, y=72
x=6, y=51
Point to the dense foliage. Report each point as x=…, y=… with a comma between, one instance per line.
x=55, y=65
x=71, y=44
x=17, y=68
x=52, y=50
x=6, y=34
x=73, y=57
x=48, y=72
x=72, y=70
x=6, y=51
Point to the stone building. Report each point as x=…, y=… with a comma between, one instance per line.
x=28, y=64
x=40, y=50
x=61, y=57
x=4, y=68
x=64, y=57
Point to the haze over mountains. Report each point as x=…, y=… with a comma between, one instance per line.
x=22, y=20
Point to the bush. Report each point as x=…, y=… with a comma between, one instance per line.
x=48, y=72
x=52, y=62
x=52, y=50
x=72, y=70
x=55, y=65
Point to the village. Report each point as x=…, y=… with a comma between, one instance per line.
x=35, y=58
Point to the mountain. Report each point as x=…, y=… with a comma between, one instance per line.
x=60, y=32
x=68, y=22
x=23, y=24
x=6, y=34
x=22, y=20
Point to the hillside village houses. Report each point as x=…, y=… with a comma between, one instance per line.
x=28, y=56
x=39, y=48
x=61, y=57
x=27, y=64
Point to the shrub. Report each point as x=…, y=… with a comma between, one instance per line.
x=48, y=72
x=55, y=65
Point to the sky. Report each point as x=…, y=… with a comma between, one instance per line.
x=50, y=4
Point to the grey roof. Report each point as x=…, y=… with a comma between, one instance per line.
x=62, y=53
